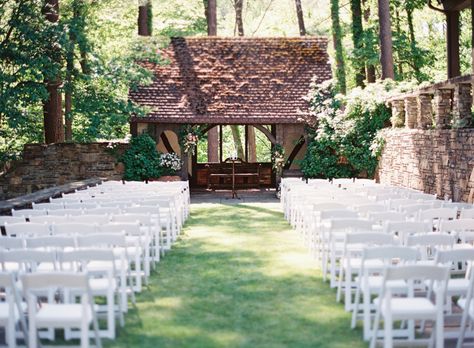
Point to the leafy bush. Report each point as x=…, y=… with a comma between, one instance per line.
x=142, y=160
x=342, y=130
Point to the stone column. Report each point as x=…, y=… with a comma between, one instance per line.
x=442, y=109
x=411, y=111
x=424, y=118
x=462, y=103
x=398, y=113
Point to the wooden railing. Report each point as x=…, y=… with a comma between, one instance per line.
x=444, y=104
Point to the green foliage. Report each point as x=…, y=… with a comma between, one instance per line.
x=142, y=160
x=343, y=129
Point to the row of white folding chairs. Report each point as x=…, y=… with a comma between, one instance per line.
x=107, y=266
x=142, y=245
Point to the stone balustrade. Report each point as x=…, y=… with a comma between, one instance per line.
x=442, y=105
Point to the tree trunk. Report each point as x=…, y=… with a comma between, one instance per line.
x=252, y=146
x=337, y=41
x=386, y=53
x=145, y=18
x=472, y=35
x=414, y=52
x=211, y=16
x=52, y=107
x=238, y=6
x=237, y=141
x=213, y=144
x=371, y=74
x=68, y=88
x=299, y=14
x=399, y=34
x=358, y=40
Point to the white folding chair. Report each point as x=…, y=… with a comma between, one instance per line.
x=11, y=310
x=467, y=214
x=100, y=266
x=411, y=308
x=29, y=212
x=436, y=215
x=74, y=228
x=27, y=229
x=402, y=229
x=429, y=244
x=65, y=212
x=11, y=220
x=60, y=315
x=370, y=280
x=47, y=206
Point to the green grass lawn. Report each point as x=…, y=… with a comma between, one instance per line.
x=238, y=277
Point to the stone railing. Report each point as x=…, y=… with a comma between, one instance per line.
x=442, y=105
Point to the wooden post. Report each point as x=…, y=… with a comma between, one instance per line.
x=213, y=144
x=452, y=43
x=52, y=107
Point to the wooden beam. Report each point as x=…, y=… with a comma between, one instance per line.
x=265, y=131
x=452, y=43
x=294, y=153
x=166, y=142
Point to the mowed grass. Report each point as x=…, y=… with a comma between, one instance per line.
x=238, y=277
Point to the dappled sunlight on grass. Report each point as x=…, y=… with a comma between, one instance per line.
x=238, y=277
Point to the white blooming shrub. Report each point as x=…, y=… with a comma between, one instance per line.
x=171, y=163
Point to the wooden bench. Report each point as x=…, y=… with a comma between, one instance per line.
x=247, y=175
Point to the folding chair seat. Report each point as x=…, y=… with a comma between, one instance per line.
x=411, y=308
x=351, y=260
x=103, y=282
x=53, y=315
x=12, y=310
x=370, y=279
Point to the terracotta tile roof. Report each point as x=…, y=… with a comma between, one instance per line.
x=234, y=80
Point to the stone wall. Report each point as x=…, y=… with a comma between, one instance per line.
x=45, y=166
x=435, y=161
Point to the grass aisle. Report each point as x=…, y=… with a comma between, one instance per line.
x=239, y=277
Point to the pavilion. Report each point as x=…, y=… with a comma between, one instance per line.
x=258, y=83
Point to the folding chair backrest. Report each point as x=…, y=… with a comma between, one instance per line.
x=73, y=228
x=417, y=272
x=104, y=211
x=338, y=214
x=52, y=242
x=431, y=240
x=40, y=281
x=454, y=256
x=48, y=219
x=351, y=225
x=81, y=205
x=144, y=219
x=467, y=214
x=384, y=252
x=458, y=225
x=11, y=220
x=98, y=219
x=29, y=212
x=328, y=206
x=11, y=243
x=65, y=212
x=143, y=209
x=366, y=209
x=385, y=216
x=438, y=213
x=405, y=228
x=130, y=228
x=30, y=259
x=102, y=240
x=26, y=229
x=48, y=206
x=369, y=239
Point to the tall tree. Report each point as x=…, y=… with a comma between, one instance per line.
x=239, y=24
x=145, y=18
x=337, y=41
x=358, y=41
x=52, y=107
x=370, y=74
x=210, y=11
x=299, y=14
x=416, y=57
x=385, y=34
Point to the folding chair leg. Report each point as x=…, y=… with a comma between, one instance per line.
x=388, y=326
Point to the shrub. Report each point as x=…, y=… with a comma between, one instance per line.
x=142, y=160
x=342, y=130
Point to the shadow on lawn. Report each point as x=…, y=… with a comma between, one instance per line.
x=203, y=296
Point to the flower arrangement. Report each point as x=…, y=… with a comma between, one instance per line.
x=188, y=138
x=170, y=162
x=190, y=143
x=278, y=158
